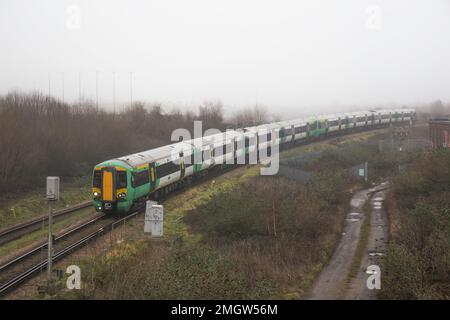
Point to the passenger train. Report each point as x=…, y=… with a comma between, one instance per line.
x=125, y=183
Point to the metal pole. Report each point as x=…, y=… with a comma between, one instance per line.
x=131, y=89
x=79, y=87
x=62, y=86
x=49, y=88
x=366, y=166
x=96, y=89
x=50, y=245
x=114, y=93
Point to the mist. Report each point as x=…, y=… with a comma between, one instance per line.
x=294, y=57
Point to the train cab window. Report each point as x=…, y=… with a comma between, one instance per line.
x=141, y=178
x=97, y=179
x=121, y=179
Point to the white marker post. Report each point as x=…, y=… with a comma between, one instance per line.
x=154, y=216
x=52, y=195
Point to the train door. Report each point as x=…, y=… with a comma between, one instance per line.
x=108, y=194
x=212, y=152
x=235, y=144
x=151, y=168
x=182, y=166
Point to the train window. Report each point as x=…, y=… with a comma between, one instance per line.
x=140, y=178
x=300, y=129
x=333, y=123
x=219, y=151
x=166, y=169
x=227, y=148
x=265, y=137
x=121, y=179
x=196, y=158
x=97, y=179
x=188, y=160
x=206, y=155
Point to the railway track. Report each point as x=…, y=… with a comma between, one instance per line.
x=18, y=270
x=16, y=231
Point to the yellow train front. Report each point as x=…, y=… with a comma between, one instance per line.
x=111, y=187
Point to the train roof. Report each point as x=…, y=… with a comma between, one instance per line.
x=156, y=154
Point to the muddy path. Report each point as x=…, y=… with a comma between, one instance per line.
x=332, y=282
x=376, y=246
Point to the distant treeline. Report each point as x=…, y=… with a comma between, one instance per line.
x=42, y=136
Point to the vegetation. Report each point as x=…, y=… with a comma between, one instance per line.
x=18, y=208
x=42, y=136
x=417, y=263
x=242, y=236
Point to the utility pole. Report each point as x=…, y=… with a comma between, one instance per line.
x=62, y=77
x=50, y=245
x=131, y=89
x=114, y=93
x=96, y=88
x=49, y=91
x=52, y=195
x=79, y=87
x=366, y=173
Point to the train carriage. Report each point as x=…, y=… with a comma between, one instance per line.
x=123, y=183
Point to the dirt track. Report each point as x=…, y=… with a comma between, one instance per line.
x=332, y=283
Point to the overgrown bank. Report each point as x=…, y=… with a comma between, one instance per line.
x=417, y=263
x=239, y=236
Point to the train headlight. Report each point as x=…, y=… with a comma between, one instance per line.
x=122, y=195
x=96, y=193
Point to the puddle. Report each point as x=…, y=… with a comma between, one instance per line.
x=373, y=254
x=352, y=219
x=354, y=214
x=377, y=203
x=378, y=199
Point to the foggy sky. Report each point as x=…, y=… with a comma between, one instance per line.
x=297, y=56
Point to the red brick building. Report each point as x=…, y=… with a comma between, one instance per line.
x=440, y=133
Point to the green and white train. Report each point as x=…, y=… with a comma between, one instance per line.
x=122, y=184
